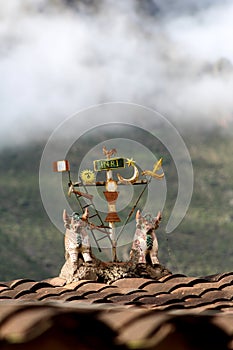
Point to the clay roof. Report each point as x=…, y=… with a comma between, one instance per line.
x=177, y=312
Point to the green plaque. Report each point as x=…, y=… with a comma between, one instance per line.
x=108, y=164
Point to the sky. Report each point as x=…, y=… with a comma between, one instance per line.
x=58, y=57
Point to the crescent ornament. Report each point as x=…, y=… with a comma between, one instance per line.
x=133, y=178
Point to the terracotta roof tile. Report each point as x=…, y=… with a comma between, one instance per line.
x=168, y=307
x=128, y=290
x=223, y=306
x=24, y=285
x=195, y=302
x=78, y=284
x=30, y=296
x=136, y=294
x=51, y=327
x=220, y=276
x=20, y=321
x=72, y=295
x=17, y=282
x=171, y=276
x=160, y=299
x=3, y=286
x=135, y=283
x=154, y=287
x=40, y=285
x=117, y=328
x=141, y=326
x=181, y=279
x=44, y=293
x=205, y=285
x=176, y=290
x=216, y=295
x=142, y=308
x=187, y=292
x=118, y=319
x=225, y=322
x=90, y=288
x=56, y=281
x=10, y=293
x=228, y=289
x=120, y=299
x=3, y=289
x=104, y=294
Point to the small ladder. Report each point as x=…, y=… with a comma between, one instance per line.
x=95, y=214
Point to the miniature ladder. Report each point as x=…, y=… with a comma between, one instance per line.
x=94, y=214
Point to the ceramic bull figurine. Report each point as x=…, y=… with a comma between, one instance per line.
x=145, y=241
x=76, y=237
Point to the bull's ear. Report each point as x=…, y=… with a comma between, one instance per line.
x=158, y=218
x=138, y=215
x=85, y=214
x=65, y=216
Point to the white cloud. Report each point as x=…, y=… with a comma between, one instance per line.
x=52, y=63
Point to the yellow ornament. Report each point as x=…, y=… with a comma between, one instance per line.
x=130, y=162
x=88, y=176
x=153, y=173
x=132, y=179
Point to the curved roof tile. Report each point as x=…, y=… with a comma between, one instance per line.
x=152, y=312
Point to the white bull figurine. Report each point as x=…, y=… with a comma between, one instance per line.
x=145, y=241
x=76, y=237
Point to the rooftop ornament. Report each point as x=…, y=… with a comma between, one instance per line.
x=80, y=260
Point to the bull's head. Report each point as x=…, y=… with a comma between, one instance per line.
x=147, y=222
x=75, y=220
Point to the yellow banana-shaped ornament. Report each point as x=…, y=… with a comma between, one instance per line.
x=153, y=173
